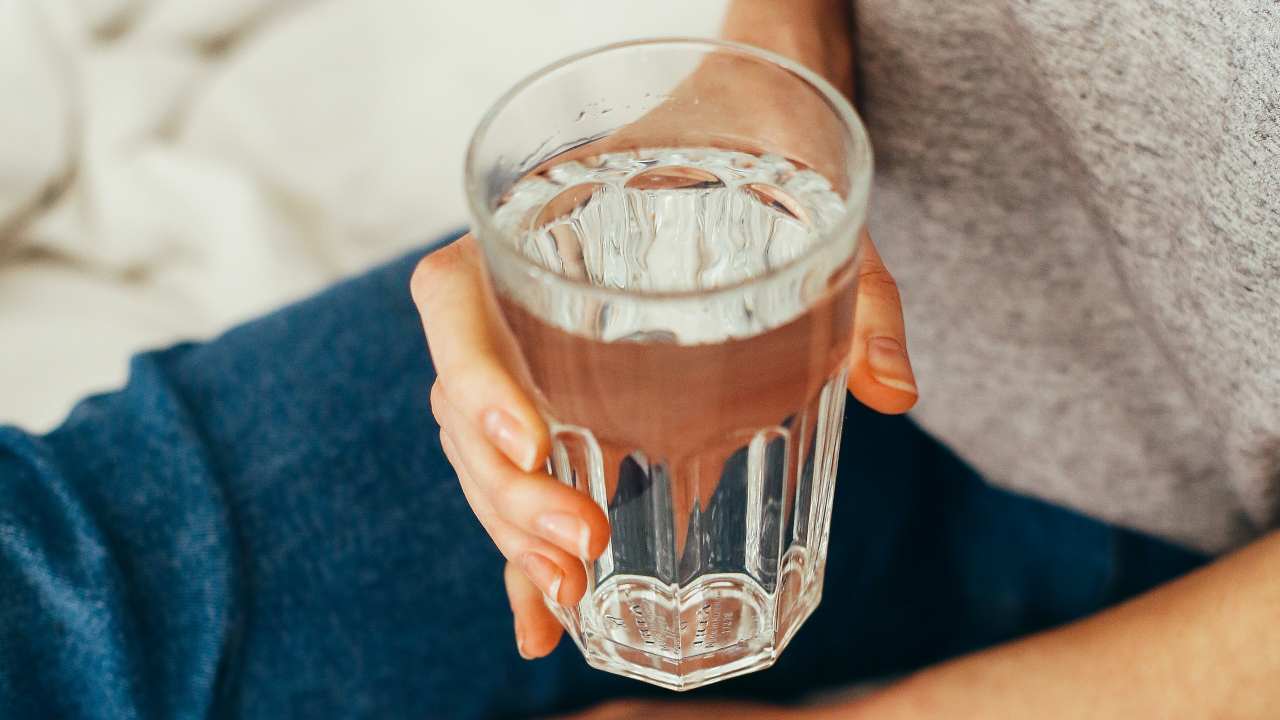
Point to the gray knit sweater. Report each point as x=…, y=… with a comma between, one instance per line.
x=1081, y=200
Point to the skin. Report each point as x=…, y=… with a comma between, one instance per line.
x=1207, y=645
x=1204, y=646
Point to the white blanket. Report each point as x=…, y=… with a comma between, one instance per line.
x=170, y=167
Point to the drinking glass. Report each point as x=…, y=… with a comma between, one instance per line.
x=670, y=230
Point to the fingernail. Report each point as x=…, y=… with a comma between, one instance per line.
x=520, y=643
x=544, y=573
x=889, y=365
x=567, y=531
x=507, y=434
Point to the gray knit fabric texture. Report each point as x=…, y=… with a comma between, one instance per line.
x=1081, y=201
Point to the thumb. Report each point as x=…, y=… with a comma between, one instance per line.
x=880, y=374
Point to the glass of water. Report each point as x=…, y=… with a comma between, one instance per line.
x=671, y=231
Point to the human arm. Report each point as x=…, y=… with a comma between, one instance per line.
x=1204, y=646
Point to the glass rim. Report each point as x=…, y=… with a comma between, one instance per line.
x=855, y=203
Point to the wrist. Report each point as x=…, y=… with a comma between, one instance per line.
x=815, y=33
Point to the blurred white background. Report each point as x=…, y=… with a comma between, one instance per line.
x=171, y=167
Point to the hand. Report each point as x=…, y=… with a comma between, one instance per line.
x=498, y=444
x=689, y=710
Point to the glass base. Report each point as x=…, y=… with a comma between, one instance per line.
x=713, y=562
x=722, y=630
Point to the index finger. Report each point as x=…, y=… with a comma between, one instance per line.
x=470, y=347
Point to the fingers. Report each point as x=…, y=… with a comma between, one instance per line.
x=494, y=438
x=537, y=630
x=466, y=346
x=534, y=504
x=880, y=374
x=555, y=572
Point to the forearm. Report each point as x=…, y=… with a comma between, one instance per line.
x=815, y=33
x=1207, y=645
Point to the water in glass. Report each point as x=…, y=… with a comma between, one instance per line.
x=710, y=438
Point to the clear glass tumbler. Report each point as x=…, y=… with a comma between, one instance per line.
x=670, y=229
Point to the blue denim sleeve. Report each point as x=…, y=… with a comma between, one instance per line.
x=115, y=559
x=263, y=525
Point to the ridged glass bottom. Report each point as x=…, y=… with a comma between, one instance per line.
x=714, y=561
